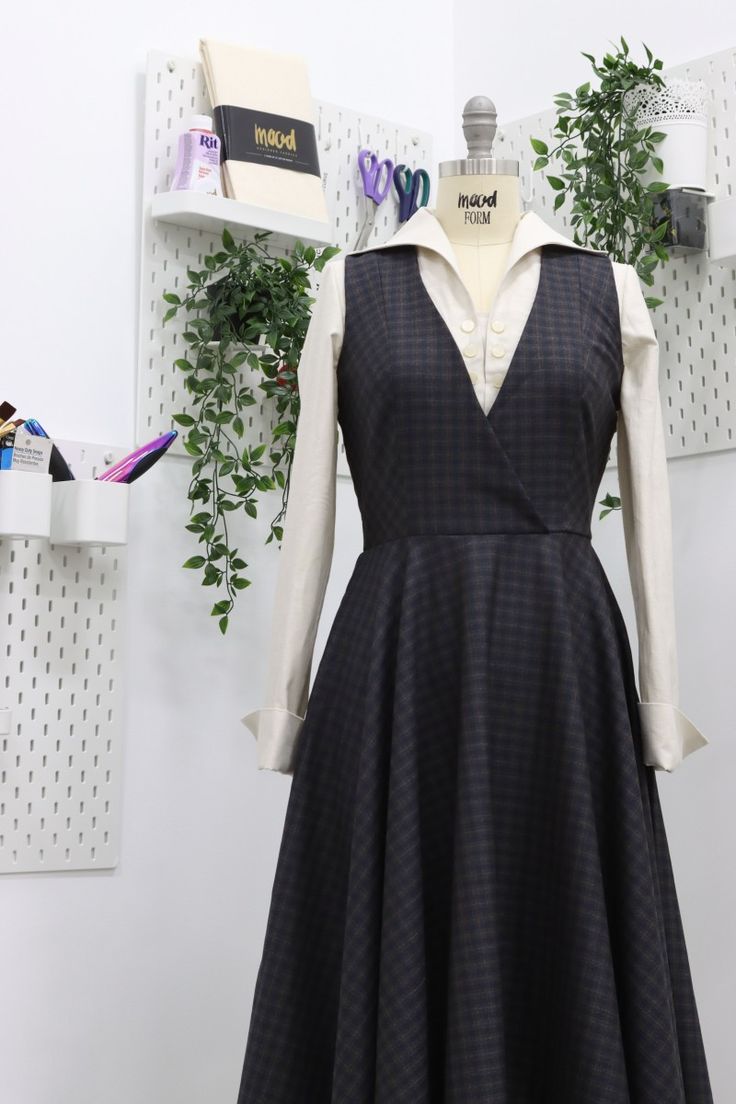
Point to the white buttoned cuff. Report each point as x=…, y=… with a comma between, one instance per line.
x=276, y=731
x=668, y=736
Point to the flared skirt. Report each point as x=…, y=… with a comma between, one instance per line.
x=474, y=901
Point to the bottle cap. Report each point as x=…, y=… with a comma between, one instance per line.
x=201, y=122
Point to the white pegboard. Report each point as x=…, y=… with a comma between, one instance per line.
x=175, y=88
x=61, y=680
x=696, y=325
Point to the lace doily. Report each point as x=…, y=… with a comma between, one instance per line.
x=681, y=100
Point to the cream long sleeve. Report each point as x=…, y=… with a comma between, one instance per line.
x=308, y=534
x=309, y=524
x=668, y=735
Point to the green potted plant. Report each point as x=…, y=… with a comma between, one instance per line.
x=248, y=313
x=605, y=162
x=608, y=170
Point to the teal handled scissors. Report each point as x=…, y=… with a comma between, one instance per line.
x=375, y=188
x=408, y=184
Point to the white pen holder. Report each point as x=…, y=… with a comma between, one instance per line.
x=25, y=503
x=89, y=511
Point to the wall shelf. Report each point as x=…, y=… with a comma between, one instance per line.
x=179, y=228
x=211, y=213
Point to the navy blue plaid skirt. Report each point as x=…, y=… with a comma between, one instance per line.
x=474, y=901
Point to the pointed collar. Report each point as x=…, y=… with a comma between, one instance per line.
x=425, y=229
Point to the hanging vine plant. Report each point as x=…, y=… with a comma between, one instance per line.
x=245, y=307
x=604, y=154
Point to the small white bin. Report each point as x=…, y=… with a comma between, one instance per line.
x=89, y=511
x=25, y=503
x=722, y=230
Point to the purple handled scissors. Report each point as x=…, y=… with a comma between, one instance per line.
x=372, y=169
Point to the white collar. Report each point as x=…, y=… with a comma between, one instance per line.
x=425, y=229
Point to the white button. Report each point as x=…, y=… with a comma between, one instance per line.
x=497, y=383
x=498, y=351
x=468, y=325
x=497, y=326
x=474, y=377
x=470, y=351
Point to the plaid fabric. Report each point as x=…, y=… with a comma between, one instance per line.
x=474, y=901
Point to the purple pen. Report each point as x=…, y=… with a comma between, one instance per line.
x=120, y=472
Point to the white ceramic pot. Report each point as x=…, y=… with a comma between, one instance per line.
x=680, y=111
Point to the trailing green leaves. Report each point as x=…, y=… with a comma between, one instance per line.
x=604, y=155
x=244, y=307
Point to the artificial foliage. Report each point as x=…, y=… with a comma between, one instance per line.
x=603, y=155
x=244, y=307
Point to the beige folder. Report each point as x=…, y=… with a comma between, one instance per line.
x=262, y=100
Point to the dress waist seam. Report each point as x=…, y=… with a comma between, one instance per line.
x=482, y=533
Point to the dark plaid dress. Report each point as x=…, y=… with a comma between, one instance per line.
x=474, y=901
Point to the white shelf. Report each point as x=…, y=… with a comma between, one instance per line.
x=211, y=213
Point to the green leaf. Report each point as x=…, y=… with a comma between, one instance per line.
x=539, y=146
x=183, y=419
x=171, y=297
x=223, y=623
x=227, y=240
x=658, y=186
x=556, y=183
x=194, y=561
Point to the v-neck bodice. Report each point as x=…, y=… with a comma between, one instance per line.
x=424, y=455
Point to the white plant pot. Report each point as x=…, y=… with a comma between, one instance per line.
x=25, y=503
x=722, y=230
x=89, y=511
x=680, y=111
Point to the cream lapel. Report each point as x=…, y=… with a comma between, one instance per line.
x=426, y=230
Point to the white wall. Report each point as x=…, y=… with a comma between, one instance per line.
x=134, y=986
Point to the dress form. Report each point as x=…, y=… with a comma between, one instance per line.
x=479, y=206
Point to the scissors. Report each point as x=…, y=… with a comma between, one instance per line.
x=374, y=188
x=408, y=184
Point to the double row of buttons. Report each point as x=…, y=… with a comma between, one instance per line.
x=498, y=351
